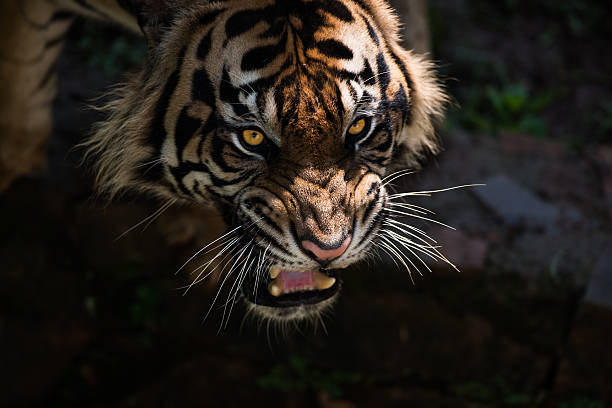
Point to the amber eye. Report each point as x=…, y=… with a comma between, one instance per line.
x=357, y=131
x=252, y=137
x=357, y=127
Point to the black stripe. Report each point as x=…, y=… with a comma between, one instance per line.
x=185, y=128
x=158, y=131
x=227, y=91
x=385, y=145
x=244, y=20
x=202, y=88
x=204, y=46
x=209, y=17
x=367, y=75
x=409, y=81
x=383, y=76
x=185, y=168
x=334, y=49
x=340, y=73
x=338, y=101
x=217, y=152
x=352, y=91
x=266, y=82
x=230, y=94
x=277, y=28
x=375, y=223
x=259, y=57
x=364, y=6
x=263, y=203
x=371, y=31
x=370, y=207
x=211, y=125
x=270, y=239
x=336, y=9
x=279, y=99
x=401, y=101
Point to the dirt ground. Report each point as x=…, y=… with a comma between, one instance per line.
x=90, y=321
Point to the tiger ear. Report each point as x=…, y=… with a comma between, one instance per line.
x=428, y=102
x=426, y=96
x=153, y=17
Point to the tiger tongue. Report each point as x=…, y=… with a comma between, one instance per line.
x=292, y=281
x=287, y=281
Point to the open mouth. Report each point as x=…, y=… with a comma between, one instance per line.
x=289, y=288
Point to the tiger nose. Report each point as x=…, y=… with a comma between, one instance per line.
x=326, y=254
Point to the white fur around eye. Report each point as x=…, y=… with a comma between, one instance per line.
x=370, y=125
x=238, y=144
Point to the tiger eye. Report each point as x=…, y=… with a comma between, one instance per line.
x=252, y=137
x=357, y=127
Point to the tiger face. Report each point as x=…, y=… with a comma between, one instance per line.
x=286, y=116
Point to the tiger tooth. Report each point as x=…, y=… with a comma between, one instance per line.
x=274, y=272
x=322, y=281
x=274, y=288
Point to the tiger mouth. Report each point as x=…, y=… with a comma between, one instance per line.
x=285, y=288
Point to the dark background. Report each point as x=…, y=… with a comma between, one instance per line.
x=87, y=320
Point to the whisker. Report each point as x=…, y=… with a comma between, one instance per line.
x=223, y=282
x=419, y=233
x=206, y=246
x=149, y=219
x=409, y=245
x=394, y=176
x=425, y=249
x=398, y=253
x=419, y=216
x=263, y=269
x=237, y=283
x=412, y=207
x=204, y=266
x=428, y=192
x=404, y=245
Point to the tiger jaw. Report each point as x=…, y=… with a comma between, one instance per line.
x=287, y=281
x=287, y=288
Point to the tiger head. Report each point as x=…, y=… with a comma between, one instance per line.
x=286, y=116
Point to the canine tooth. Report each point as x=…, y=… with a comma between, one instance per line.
x=322, y=281
x=274, y=272
x=274, y=288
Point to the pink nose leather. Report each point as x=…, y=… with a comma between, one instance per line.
x=326, y=254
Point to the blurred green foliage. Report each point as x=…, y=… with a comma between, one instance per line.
x=477, y=394
x=496, y=102
x=144, y=309
x=297, y=373
x=509, y=106
x=113, y=57
x=582, y=402
x=563, y=93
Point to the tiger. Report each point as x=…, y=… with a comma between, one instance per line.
x=286, y=116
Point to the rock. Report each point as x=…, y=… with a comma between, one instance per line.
x=599, y=289
x=526, y=145
x=515, y=204
x=602, y=156
x=586, y=363
x=467, y=253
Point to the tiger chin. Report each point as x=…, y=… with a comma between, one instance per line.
x=284, y=115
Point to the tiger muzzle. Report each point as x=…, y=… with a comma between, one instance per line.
x=317, y=212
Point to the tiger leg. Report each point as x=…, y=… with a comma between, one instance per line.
x=31, y=37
